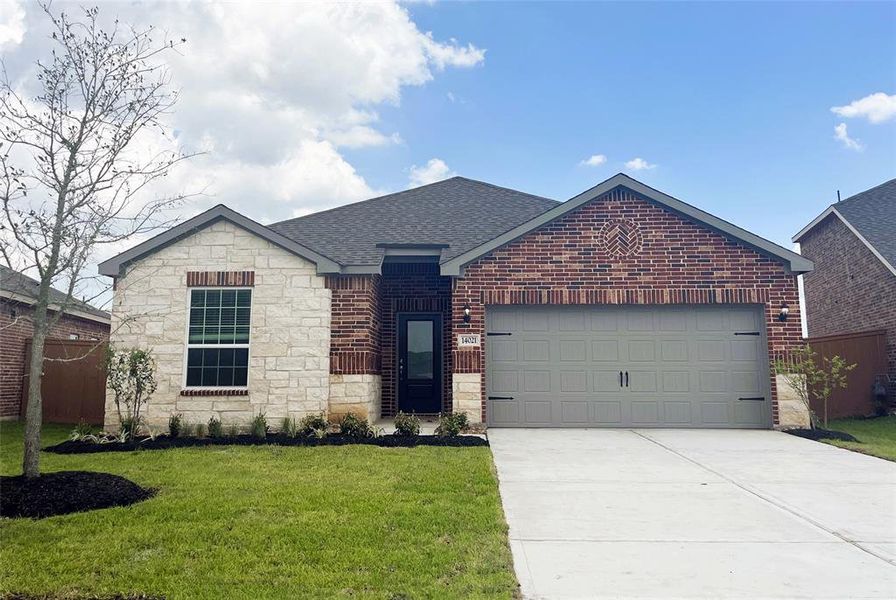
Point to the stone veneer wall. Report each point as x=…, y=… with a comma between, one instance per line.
x=289, y=340
x=670, y=260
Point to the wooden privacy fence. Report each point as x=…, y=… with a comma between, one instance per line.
x=867, y=349
x=74, y=387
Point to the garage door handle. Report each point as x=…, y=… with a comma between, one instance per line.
x=626, y=379
x=756, y=399
x=500, y=397
x=620, y=378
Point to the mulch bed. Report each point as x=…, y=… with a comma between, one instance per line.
x=821, y=434
x=66, y=492
x=165, y=442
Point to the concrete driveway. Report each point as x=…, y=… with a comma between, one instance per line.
x=695, y=513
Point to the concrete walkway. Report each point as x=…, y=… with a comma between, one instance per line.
x=695, y=513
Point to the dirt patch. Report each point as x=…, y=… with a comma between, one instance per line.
x=821, y=434
x=165, y=442
x=66, y=492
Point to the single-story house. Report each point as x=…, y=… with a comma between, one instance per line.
x=18, y=294
x=853, y=286
x=620, y=307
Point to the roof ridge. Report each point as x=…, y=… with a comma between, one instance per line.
x=413, y=189
x=871, y=189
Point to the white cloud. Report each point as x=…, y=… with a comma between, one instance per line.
x=595, y=160
x=12, y=23
x=877, y=108
x=434, y=170
x=273, y=95
x=639, y=164
x=842, y=135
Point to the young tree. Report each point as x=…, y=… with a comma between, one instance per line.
x=808, y=375
x=73, y=177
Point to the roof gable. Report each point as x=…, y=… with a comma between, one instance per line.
x=21, y=288
x=871, y=217
x=456, y=214
x=794, y=261
x=114, y=266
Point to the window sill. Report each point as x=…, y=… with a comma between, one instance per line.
x=214, y=392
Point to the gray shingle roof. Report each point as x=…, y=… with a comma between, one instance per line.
x=20, y=284
x=873, y=214
x=462, y=213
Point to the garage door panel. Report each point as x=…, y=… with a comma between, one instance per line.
x=686, y=367
x=607, y=413
x=537, y=381
x=574, y=381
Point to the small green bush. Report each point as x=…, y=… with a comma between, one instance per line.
x=176, y=425
x=215, y=429
x=129, y=427
x=288, y=427
x=81, y=431
x=450, y=425
x=199, y=430
x=407, y=425
x=259, y=427
x=313, y=426
x=354, y=426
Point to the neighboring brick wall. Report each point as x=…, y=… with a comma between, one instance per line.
x=674, y=261
x=289, y=353
x=16, y=329
x=850, y=289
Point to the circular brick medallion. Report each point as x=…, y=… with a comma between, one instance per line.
x=620, y=237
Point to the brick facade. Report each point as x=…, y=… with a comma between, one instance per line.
x=672, y=261
x=17, y=329
x=850, y=289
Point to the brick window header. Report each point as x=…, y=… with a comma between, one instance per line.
x=220, y=278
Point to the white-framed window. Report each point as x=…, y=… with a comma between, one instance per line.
x=218, y=337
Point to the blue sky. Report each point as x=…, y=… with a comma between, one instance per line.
x=301, y=107
x=731, y=102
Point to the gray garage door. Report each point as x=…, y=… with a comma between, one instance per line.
x=625, y=366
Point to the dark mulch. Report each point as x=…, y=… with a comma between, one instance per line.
x=66, y=492
x=15, y=596
x=821, y=434
x=165, y=442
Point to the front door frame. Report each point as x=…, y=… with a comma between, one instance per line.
x=404, y=403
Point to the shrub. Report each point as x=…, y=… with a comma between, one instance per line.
x=288, y=427
x=176, y=425
x=354, y=426
x=407, y=425
x=810, y=376
x=313, y=426
x=215, y=429
x=259, y=427
x=130, y=374
x=200, y=430
x=81, y=431
x=450, y=425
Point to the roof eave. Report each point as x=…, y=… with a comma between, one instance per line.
x=113, y=267
x=796, y=263
x=832, y=210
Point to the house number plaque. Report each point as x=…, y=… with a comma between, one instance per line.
x=468, y=340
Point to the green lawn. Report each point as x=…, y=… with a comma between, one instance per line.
x=876, y=436
x=270, y=522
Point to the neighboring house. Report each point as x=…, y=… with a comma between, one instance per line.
x=619, y=307
x=18, y=293
x=853, y=286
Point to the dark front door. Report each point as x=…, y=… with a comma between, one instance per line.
x=420, y=362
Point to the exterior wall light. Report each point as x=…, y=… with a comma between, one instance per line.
x=467, y=312
x=785, y=310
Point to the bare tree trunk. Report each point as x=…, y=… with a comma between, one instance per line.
x=34, y=408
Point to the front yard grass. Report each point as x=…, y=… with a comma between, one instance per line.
x=877, y=437
x=270, y=522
